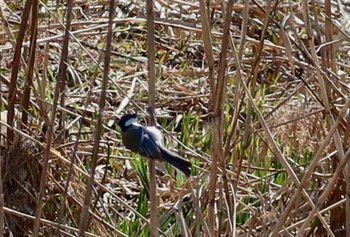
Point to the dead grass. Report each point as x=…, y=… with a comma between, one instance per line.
x=281, y=154
x=298, y=128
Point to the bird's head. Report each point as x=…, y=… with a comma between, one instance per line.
x=126, y=121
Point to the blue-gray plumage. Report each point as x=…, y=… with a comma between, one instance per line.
x=148, y=142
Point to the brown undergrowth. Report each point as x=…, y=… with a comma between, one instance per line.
x=284, y=129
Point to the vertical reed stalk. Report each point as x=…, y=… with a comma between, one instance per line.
x=219, y=101
x=151, y=119
x=85, y=216
x=15, y=68
x=31, y=63
x=49, y=138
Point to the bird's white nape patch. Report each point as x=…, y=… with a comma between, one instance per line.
x=130, y=121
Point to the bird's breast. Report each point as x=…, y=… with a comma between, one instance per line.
x=132, y=139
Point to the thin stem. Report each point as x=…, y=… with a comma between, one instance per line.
x=151, y=119
x=85, y=217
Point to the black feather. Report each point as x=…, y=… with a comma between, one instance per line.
x=180, y=163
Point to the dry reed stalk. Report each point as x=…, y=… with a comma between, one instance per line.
x=85, y=216
x=208, y=48
x=311, y=168
x=45, y=221
x=72, y=169
x=207, y=39
x=218, y=158
x=327, y=190
x=61, y=77
x=31, y=64
x=2, y=204
x=273, y=146
x=329, y=60
x=15, y=69
x=207, y=36
x=49, y=138
x=325, y=95
x=285, y=49
x=151, y=119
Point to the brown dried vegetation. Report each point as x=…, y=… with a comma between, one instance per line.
x=283, y=127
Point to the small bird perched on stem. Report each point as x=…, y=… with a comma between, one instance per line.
x=148, y=142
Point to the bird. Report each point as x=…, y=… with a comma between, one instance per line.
x=148, y=141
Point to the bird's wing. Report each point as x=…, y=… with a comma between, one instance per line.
x=152, y=147
x=149, y=146
x=154, y=133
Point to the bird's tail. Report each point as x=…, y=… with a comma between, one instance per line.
x=180, y=163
